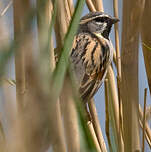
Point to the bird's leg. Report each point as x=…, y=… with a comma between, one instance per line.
x=88, y=115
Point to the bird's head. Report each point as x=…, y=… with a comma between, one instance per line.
x=97, y=22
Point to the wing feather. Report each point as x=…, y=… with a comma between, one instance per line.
x=89, y=58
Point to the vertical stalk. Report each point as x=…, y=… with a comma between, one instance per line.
x=107, y=114
x=132, y=12
x=147, y=128
x=20, y=7
x=70, y=121
x=114, y=104
x=118, y=65
x=144, y=120
x=22, y=34
x=70, y=118
x=67, y=103
x=116, y=28
x=45, y=14
x=146, y=39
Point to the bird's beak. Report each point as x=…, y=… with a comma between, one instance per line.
x=114, y=20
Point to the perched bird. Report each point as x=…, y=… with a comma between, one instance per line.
x=92, y=52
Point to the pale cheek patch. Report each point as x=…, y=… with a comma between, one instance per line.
x=104, y=26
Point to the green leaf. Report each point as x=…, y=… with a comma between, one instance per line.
x=59, y=73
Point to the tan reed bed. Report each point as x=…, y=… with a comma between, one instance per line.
x=47, y=112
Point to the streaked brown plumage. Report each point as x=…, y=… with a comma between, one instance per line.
x=92, y=52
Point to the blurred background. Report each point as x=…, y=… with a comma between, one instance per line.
x=7, y=34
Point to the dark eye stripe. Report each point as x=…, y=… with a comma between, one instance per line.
x=101, y=19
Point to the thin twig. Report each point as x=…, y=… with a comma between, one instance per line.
x=116, y=28
x=146, y=135
x=147, y=128
x=148, y=113
x=6, y=8
x=9, y=81
x=144, y=120
x=96, y=125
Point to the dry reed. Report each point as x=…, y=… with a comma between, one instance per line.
x=144, y=120
x=67, y=102
x=40, y=122
x=96, y=125
x=132, y=12
x=107, y=130
x=146, y=39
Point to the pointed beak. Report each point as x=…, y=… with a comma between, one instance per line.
x=114, y=20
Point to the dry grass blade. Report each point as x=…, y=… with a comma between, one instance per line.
x=70, y=118
x=146, y=39
x=148, y=113
x=4, y=38
x=67, y=12
x=20, y=54
x=116, y=27
x=67, y=102
x=146, y=136
x=98, y=5
x=147, y=128
x=71, y=6
x=114, y=95
x=90, y=5
x=19, y=17
x=6, y=8
x=61, y=24
x=96, y=125
x=107, y=114
x=114, y=58
x=9, y=81
x=132, y=12
x=114, y=104
x=49, y=11
x=118, y=66
x=144, y=120
x=2, y=137
x=90, y=126
x=45, y=21
x=57, y=136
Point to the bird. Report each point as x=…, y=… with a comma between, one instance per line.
x=92, y=52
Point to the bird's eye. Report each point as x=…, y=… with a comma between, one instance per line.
x=101, y=19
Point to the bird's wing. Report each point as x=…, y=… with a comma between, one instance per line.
x=89, y=58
